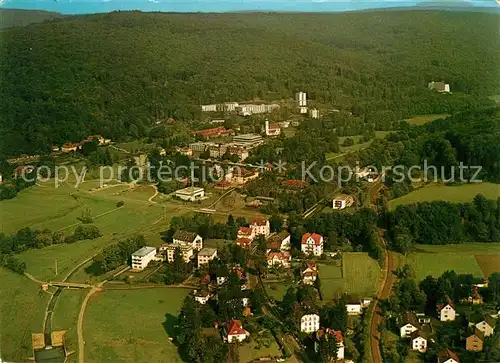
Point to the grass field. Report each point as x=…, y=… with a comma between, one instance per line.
x=65, y=317
x=361, y=276
x=249, y=352
x=423, y=119
x=132, y=326
x=458, y=194
x=22, y=313
x=463, y=258
x=357, y=145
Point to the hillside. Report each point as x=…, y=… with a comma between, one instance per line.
x=114, y=73
x=14, y=17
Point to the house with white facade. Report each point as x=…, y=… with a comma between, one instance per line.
x=487, y=326
x=142, y=257
x=279, y=242
x=188, y=238
x=418, y=341
x=447, y=310
x=328, y=333
x=309, y=272
x=309, y=323
x=439, y=87
x=202, y=296
x=354, y=308
x=408, y=324
x=236, y=332
x=279, y=259
x=245, y=237
x=447, y=356
x=342, y=201
x=312, y=244
x=206, y=255
x=261, y=226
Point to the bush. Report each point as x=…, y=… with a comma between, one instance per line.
x=86, y=232
x=120, y=203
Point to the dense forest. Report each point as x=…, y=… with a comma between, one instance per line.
x=116, y=74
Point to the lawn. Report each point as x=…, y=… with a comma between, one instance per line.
x=423, y=119
x=22, y=313
x=458, y=194
x=249, y=351
x=361, y=276
x=434, y=260
x=357, y=145
x=489, y=263
x=132, y=325
x=65, y=316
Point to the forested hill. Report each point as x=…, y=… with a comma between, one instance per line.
x=114, y=73
x=17, y=17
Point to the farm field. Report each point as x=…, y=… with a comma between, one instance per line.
x=458, y=194
x=434, y=260
x=132, y=325
x=22, y=311
x=423, y=119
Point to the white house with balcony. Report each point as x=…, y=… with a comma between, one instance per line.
x=142, y=257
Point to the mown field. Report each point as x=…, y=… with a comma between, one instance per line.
x=22, y=311
x=478, y=259
x=458, y=194
x=357, y=145
x=132, y=325
x=423, y=119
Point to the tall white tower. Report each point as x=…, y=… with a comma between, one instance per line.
x=301, y=98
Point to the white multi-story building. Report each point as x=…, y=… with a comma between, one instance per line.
x=206, y=255
x=261, y=226
x=272, y=129
x=188, y=238
x=312, y=244
x=142, y=257
x=313, y=113
x=309, y=323
x=251, y=109
x=209, y=108
x=301, y=98
x=190, y=194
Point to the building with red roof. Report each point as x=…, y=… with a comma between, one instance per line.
x=214, y=132
x=328, y=333
x=236, y=332
x=312, y=244
x=277, y=259
x=261, y=226
x=309, y=272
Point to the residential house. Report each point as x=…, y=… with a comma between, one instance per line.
x=328, y=333
x=142, y=257
x=186, y=251
x=354, y=308
x=447, y=311
x=242, y=176
x=419, y=341
x=221, y=280
x=408, y=324
x=312, y=244
x=279, y=259
x=235, y=332
x=309, y=272
x=475, y=342
x=69, y=147
x=202, y=296
x=245, y=237
x=447, y=356
x=342, y=201
x=206, y=255
x=487, y=326
x=189, y=238
x=309, y=323
x=261, y=226
x=271, y=129
x=439, y=86
x=279, y=242
x=313, y=113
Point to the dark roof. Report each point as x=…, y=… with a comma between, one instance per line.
x=51, y=355
x=184, y=236
x=491, y=321
x=446, y=354
x=274, y=242
x=478, y=333
x=410, y=318
x=419, y=333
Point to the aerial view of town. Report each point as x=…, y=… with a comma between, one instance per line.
x=249, y=182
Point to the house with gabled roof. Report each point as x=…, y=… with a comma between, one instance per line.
x=277, y=259
x=261, y=226
x=188, y=238
x=408, y=324
x=236, y=332
x=475, y=342
x=446, y=310
x=447, y=356
x=309, y=272
x=245, y=237
x=328, y=333
x=312, y=244
x=419, y=340
x=279, y=242
x=487, y=326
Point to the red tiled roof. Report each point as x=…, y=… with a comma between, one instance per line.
x=235, y=328
x=245, y=231
x=295, y=183
x=316, y=238
x=337, y=333
x=243, y=242
x=283, y=256
x=211, y=132
x=259, y=221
